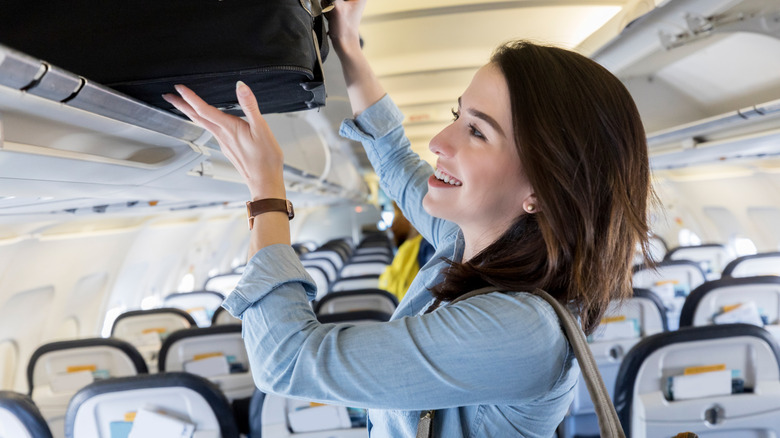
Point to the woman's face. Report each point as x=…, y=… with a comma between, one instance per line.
x=479, y=183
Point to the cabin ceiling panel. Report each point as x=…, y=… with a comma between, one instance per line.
x=466, y=39
x=709, y=76
x=423, y=88
x=425, y=53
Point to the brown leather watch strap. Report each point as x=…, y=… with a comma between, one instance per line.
x=254, y=208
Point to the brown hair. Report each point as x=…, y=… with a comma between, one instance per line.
x=583, y=148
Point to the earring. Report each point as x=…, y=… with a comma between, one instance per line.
x=529, y=208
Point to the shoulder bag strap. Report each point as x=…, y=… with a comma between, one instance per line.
x=609, y=425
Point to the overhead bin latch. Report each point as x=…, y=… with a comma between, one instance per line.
x=765, y=22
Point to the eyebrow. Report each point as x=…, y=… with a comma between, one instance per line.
x=489, y=120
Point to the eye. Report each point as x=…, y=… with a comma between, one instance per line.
x=476, y=132
x=472, y=128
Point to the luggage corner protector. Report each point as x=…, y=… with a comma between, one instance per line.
x=319, y=94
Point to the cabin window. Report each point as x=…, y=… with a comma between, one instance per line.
x=69, y=329
x=744, y=246
x=686, y=237
x=9, y=357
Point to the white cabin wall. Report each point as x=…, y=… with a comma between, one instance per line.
x=49, y=281
x=60, y=281
x=719, y=203
x=675, y=213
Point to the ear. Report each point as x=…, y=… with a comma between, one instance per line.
x=530, y=205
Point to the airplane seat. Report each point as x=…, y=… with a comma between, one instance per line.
x=20, y=418
x=238, y=269
x=360, y=299
x=289, y=418
x=223, y=317
x=355, y=283
x=376, y=257
x=751, y=300
x=712, y=257
x=58, y=369
x=147, y=329
x=218, y=354
x=657, y=249
x=300, y=249
x=672, y=281
x=354, y=317
x=624, y=324
x=320, y=279
x=223, y=283
x=373, y=250
x=162, y=404
x=377, y=238
x=343, y=247
x=362, y=268
x=325, y=264
x=331, y=254
x=200, y=304
x=767, y=263
x=714, y=381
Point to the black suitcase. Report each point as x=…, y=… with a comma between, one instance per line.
x=143, y=47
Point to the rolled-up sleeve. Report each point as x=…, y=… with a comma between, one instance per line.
x=273, y=267
x=444, y=359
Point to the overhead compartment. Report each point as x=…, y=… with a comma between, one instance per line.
x=63, y=136
x=704, y=76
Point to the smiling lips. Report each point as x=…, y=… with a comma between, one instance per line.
x=449, y=179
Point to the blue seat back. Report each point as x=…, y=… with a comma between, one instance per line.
x=20, y=418
x=649, y=405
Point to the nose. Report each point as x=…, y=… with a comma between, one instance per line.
x=440, y=144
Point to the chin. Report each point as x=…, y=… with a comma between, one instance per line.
x=430, y=207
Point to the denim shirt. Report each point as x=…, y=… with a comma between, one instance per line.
x=495, y=365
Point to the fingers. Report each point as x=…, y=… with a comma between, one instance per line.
x=248, y=102
x=188, y=111
x=203, y=109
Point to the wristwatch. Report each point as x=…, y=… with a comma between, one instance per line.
x=253, y=208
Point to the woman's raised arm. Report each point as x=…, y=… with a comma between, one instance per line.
x=363, y=87
x=252, y=149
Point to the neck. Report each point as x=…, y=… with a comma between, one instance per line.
x=477, y=239
x=475, y=243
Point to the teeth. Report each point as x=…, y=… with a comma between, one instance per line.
x=446, y=178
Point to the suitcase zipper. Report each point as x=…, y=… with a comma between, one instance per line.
x=186, y=78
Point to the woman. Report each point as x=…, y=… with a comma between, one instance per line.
x=541, y=180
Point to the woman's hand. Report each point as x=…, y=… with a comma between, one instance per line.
x=248, y=144
x=344, y=23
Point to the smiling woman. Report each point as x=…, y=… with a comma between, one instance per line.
x=575, y=158
x=541, y=181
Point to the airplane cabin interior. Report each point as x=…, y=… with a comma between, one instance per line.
x=113, y=210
